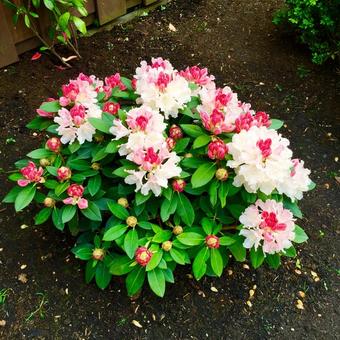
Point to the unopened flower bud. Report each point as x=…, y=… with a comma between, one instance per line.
x=98, y=254
x=98, y=138
x=95, y=166
x=131, y=221
x=171, y=143
x=167, y=245
x=54, y=144
x=49, y=202
x=188, y=155
x=64, y=173
x=221, y=174
x=217, y=149
x=212, y=241
x=44, y=162
x=123, y=202
x=175, y=132
x=177, y=230
x=178, y=185
x=143, y=256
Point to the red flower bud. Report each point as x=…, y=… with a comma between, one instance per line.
x=143, y=256
x=175, y=132
x=75, y=190
x=171, y=143
x=111, y=107
x=64, y=173
x=178, y=185
x=54, y=144
x=212, y=241
x=217, y=149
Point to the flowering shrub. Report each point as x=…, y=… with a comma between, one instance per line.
x=162, y=170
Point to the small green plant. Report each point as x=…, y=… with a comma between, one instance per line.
x=64, y=26
x=3, y=295
x=317, y=23
x=40, y=310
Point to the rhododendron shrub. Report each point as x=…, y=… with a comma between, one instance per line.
x=162, y=170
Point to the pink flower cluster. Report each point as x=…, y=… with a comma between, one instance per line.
x=32, y=174
x=269, y=225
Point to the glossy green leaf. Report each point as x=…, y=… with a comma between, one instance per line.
x=156, y=281
x=25, y=197
x=203, y=174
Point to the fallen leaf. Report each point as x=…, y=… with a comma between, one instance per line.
x=137, y=324
x=23, y=278
x=23, y=226
x=36, y=56
x=172, y=28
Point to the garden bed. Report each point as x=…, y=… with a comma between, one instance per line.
x=244, y=50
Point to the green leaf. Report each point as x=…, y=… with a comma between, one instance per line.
x=273, y=260
x=237, y=249
x=92, y=212
x=207, y=225
x=83, y=251
x=199, y=267
x=94, y=184
x=100, y=124
x=216, y=261
x=185, y=209
x=56, y=219
x=99, y=155
x=120, y=265
x=118, y=211
x=24, y=197
x=27, y=21
x=155, y=260
x=135, y=279
x=79, y=164
x=131, y=243
x=213, y=189
x=162, y=236
x=201, y=141
x=61, y=187
x=192, y=130
x=39, y=123
x=80, y=24
x=90, y=271
x=156, y=281
x=203, y=174
x=52, y=106
x=168, y=275
x=112, y=147
x=103, y=276
x=40, y=153
x=177, y=255
x=191, y=238
x=226, y=241
x=49, y=4
x=300, y=235
x=115, y=232
x=181, y=145
x=256, y=257
x=276, y=124
x=293, y=207
x=42, y=216
x=168, y=208
x=67, y=212
x=223, y=193
x=236, y=210
x=140, y=198
x=63, y=20
x=290, y=252
x=311, y=185
x=12, y=195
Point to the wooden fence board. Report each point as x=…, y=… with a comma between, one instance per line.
x=133, y=3
x=148, y=2
x=109, y=10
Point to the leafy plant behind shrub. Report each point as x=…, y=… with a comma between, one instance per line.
x=64, y=25
x=317, y=23
x=163, y=170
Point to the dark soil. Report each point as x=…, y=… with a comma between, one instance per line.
x=240, y=45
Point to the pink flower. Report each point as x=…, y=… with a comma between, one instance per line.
x=70, y=91
x=265, y=146
x=111, y=107
x=75, y=191
x=114, y=81
x=175, y=132
x=170, y=142
x=54, y=144
x=143, y=256
x=64, y=173
x=215, y=122
x=46, y=114
x=178, y=185
x=197, y=75
x=212, y=241
x=32, y=174
x=267, y=224
x=217, y=149
x=78, y=114
x=247, y=120
x=133, y=83
x=163, y=80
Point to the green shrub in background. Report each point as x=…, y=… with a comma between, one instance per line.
x=317, y=23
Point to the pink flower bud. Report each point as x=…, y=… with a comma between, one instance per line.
x=75, y=190
x=111, y=107
x=98, y=254
x=175, y=132
x=212, y=241
x=170, y=142
x=143, y=256
x=64, y=173
x=54, y=144
x=178, y=185
x=31, y=174
x=78, y=114
x=217, y=149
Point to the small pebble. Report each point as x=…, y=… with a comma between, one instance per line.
x=249, y=304
x=230, y=272
x=214, y=289
x=336, y=159
x=297, y=271
x=254, y=287
x=245, y=266
x=299, y=304
x=23, y=266
x=251, y=293
x=301, y=294
x=23, y=226
x=23, y=278
x=2, y=323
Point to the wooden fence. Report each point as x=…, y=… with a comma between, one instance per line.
x=19, y=39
